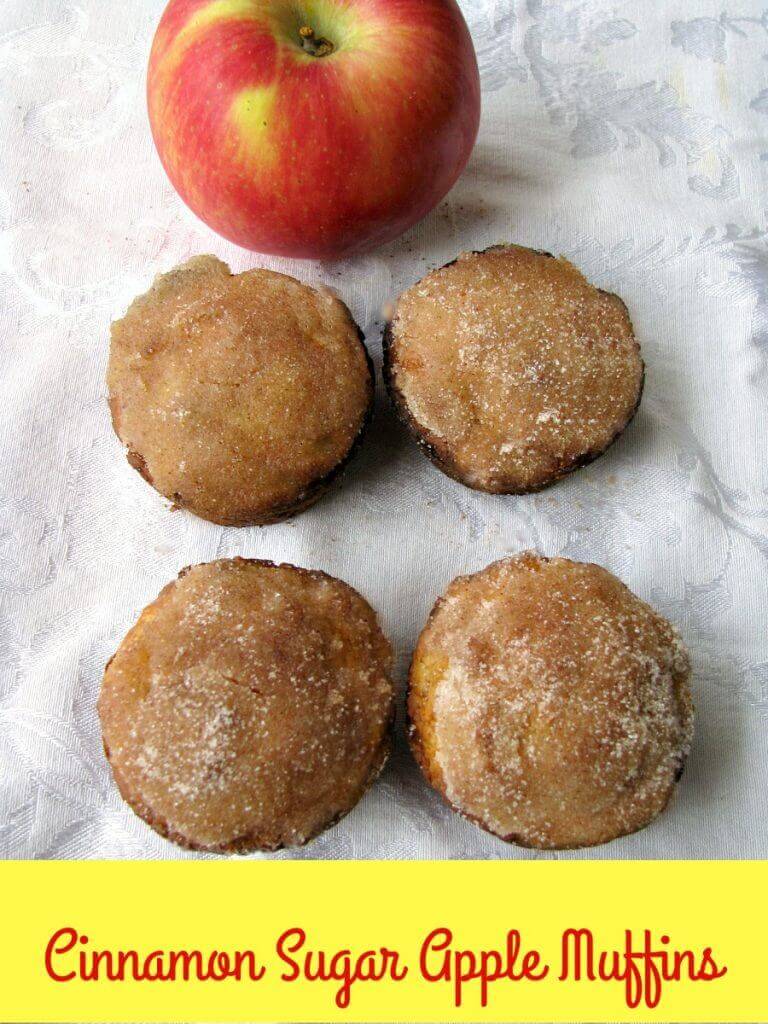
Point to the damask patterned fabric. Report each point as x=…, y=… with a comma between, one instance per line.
x=631, y=137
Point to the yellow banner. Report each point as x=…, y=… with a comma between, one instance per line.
x=383, y=941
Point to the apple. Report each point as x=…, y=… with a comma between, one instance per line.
x=313, y=128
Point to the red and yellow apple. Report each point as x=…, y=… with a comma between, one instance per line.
x=313, y=128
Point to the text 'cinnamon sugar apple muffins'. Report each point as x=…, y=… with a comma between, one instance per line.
x=511, y=369
x=250, y=707
x=549, y=704
x=238, y=397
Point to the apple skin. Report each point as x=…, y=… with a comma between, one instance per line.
x=320, y=157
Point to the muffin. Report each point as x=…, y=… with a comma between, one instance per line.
x=511, y=369
x=238, y=397
x=550, y=705
x=249, y=708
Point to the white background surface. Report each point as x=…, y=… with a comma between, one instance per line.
x=631, y=137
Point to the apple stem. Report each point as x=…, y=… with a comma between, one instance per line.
x=312, y=45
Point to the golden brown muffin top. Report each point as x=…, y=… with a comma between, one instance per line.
x=249, y=707
x=237, y=394
x=512, y=368
x=550, y=704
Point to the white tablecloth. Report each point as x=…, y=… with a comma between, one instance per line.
x=631, y=137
